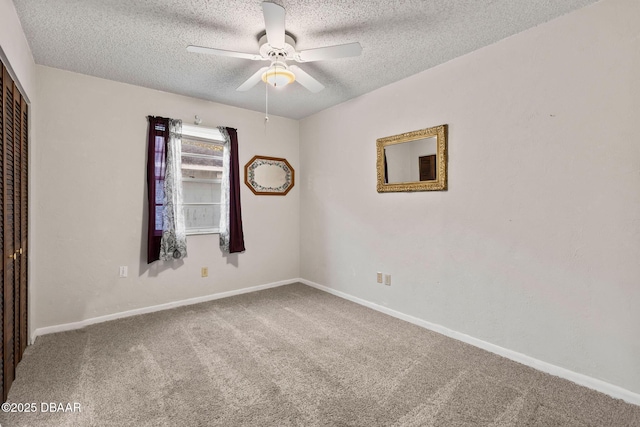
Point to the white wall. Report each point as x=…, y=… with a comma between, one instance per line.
x=90, y=211
x=15, y=49
x=535, y=246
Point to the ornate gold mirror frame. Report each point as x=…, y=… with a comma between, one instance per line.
x=428, y=181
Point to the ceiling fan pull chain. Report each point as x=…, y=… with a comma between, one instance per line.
x=275, y=83
x=266, y=107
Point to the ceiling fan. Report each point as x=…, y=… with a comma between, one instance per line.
x=279, y=47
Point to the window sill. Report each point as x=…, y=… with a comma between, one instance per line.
x=200, y=232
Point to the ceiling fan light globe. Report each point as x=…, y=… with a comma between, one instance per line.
x=278, y=77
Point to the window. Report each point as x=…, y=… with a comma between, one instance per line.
x=202, y=150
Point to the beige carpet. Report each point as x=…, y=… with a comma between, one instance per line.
x=289, y=356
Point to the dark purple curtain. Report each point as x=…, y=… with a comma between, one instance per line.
x=236, y=235
x=158, y=135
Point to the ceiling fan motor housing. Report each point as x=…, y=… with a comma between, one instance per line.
x=286, y=53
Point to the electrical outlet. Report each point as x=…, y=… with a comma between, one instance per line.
x=387, y=279
x=379, y=277
x=205, y=272
x=124, y=271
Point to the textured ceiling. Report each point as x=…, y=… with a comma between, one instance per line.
x=144, y=42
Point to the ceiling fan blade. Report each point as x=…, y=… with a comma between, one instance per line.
x=274, y=24
x=220, y=52
x=253, y=80
x=329, y=52
x=306, y=80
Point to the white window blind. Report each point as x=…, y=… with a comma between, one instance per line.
x=202, y=169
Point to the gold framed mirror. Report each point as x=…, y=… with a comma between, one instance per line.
x=413, y=161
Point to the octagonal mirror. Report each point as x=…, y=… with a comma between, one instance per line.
x=269, y=176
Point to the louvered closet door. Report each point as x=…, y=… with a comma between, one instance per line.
x=22, y=256
x=15, y=192
x=13, y=226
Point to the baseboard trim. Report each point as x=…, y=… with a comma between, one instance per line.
x=91, y=321
x=581, y=379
